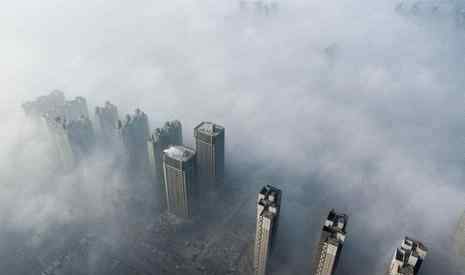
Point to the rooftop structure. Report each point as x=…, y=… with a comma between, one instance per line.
x=407, y=258
x=160, y=140
x=179, y=174
x=209, y=144
x=179, y=153
x=268, y=208
x=330, y=245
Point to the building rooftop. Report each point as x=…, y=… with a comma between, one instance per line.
x=209, y=128
x=408, y=257
x=180, y=153
x=335, y=227
x=269, y=199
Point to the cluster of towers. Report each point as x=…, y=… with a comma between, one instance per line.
x=182, y=173
x=68, y=123
x=406, y=261
x=179, y=172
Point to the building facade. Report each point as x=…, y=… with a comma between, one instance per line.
x=331, y=243
x=179, y=179
x=268, y=209
x=209, y=145
x=407, y=258
x=160, y=140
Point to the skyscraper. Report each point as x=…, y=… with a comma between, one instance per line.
x=179, y=174
x=460, y=236
x=134, y=131
x=61, y=143
x=107, y=121
x=407, y=258
x=330, y=245
x=160, y=140
x=268, y=207
x=72, y=140
x=81, y=135
x=209, y=145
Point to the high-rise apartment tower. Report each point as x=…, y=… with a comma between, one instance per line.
x=330, y=245
x=73, y=140
x=107, y=121
x=160, y=140
x=268, y=208
x=134, y=131
x=179, y=174
x=209, y=145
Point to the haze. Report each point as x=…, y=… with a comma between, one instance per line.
x=341, y=104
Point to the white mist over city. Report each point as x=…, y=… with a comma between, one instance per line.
x=232, y=137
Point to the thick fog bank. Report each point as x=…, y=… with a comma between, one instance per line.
x=344, y=105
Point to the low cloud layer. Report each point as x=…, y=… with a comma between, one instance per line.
x=340, y=104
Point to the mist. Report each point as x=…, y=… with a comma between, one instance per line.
x=341, y=105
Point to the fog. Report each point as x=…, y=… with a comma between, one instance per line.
x=340, y=104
